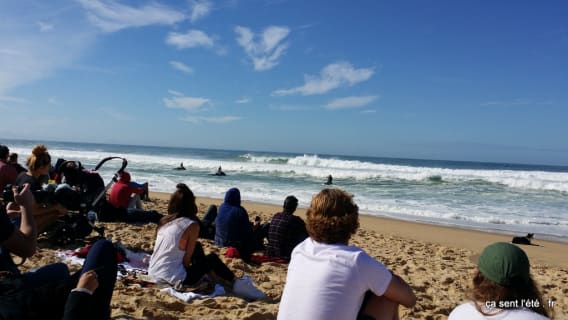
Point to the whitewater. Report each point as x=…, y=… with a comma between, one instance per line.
x=506, y=198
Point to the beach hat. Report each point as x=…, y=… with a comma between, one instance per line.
x=125, y=177
x=505, y=264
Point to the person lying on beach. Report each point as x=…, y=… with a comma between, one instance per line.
x=286, y=231
x=178, y=257
x=45, y=212
x=502, y=288
x=234, y=229
x=329, y=279
x=50, y=292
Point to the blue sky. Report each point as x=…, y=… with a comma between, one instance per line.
x=454, y=80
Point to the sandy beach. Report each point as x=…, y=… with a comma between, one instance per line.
x=437, y=261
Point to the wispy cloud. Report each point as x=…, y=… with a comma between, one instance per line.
x=350, y=102
x=175, y=93
x=224, y=119
x=10, y=99
x=288, y=107
x=44, y=27
x=54, y=101
x=243, y=100
x=190, y=39
x=187, y=103
x=117, y=115
x=180, y=66
x=199, y=9
x=111, y=16
x=369, y=111
x=267, y=50
x=331, y=77
x=27, y=55
x=515, y=103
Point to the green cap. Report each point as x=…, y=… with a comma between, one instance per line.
x=505, y=264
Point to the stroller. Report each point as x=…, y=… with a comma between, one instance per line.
x=82, y=192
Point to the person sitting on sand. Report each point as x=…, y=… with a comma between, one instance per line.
x=13, y=160
x=329, y=279
x=178, y=257
x=45, y=212
x=501, y=283
x=8, y=173
x=50, y=292
x=124, y=194
x=286, y=231
x=233, y=228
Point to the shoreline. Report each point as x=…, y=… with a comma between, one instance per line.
x=543, y=251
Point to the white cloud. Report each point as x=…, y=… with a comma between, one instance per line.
x=44, y=27
x=53, y=100
x=112, y=113
x=175, y=93
x=224, y=119
x=267, y=50
x=199, y=9
x=187, y=103
x=515, y=103
x=111, y=16
x=27, y=55
x=243, y=100
x=350, y=102
x=180, y=66
x=191, y=39
x=10, y=99
x=331, y=77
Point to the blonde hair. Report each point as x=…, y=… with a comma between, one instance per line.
x=333, y=217
x=39, y=158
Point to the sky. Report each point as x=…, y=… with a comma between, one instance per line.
x=450, y=80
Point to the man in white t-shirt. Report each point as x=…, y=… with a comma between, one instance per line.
x=328, y=279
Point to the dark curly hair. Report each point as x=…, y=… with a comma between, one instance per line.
x=182, y=204
x=487, y=290
x=333, y=217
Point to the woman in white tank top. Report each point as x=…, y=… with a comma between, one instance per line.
x=179, y=257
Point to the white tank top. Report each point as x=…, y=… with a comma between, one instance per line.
x=166, y=262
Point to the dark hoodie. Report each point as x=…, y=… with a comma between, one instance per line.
x=232, y=225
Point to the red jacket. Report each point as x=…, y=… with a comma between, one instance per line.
x=121, y=192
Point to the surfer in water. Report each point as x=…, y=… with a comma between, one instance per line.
x=181, y=167
x=329, y=180
x=220, y=172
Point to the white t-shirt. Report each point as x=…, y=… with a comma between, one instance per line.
x=166, y=262
x=329, y=281
x=467, y=311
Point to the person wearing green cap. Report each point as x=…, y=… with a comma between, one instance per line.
x=502, y=288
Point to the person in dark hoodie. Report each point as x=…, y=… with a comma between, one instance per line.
x=232, y=226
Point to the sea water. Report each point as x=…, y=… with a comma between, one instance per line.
x=499, y=197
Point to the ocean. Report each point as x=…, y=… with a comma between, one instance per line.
x=497, y=197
